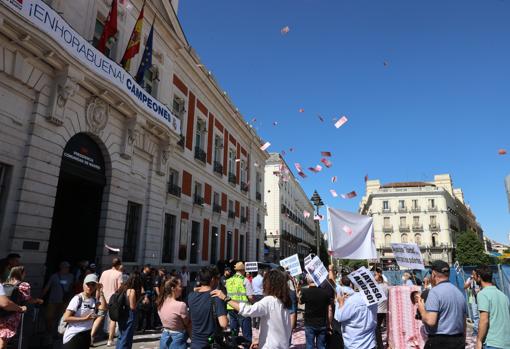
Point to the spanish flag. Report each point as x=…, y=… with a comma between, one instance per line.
x=133, y=45
x=109, y=29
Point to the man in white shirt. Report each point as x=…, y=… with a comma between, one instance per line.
x=184, y=274
x=359, y=321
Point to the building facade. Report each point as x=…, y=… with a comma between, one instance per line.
x=289, y=224
x=430, y=214
x=166, y=170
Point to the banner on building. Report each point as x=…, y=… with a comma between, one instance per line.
x=292, y=265
x=367, y=285
x=317, y=271
x=408, y=256
x=44, y=18
x=251, y=267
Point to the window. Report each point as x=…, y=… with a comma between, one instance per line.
x=183, y=240
x=216, y=198
x=168, y=239
x=241, y=247
x=198, y=198
x=218, y=149
x=214, y=245
x=98, y=32
x=401, y=204
x=433, y=221
x=131, y=231
x=229, y=245
x=258, y=180
x=243, y=171
x=200, y=134
x=432, y=203
x=150, y=79
x=178, y=106
x=417, y=239
x=195, y=242
x=385, y=205
x=173, y=182
x=386, y=222
x=416, y=221
x=434, y=240
x=387, y=239
x=415, y=204
x=257, y=250
x=404, y=238
x=232, y=161
x=231, y=206
x=403, y=221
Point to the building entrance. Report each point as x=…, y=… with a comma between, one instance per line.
x=78, y=202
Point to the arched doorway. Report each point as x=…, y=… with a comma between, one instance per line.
x=77, y=204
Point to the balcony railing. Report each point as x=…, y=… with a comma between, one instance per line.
x=258, y=196
x=387, y=229
x=232, y=178
x=174, y=190
x=432, y=209
x=386, y=210
x=403, y=227
x=244, y=186
x=198, y=200
x=434, y=227
x=417, y=227
x=231, y=214
x=402, y=209
x=216, y=208
x=416, y=209
x=218, y=168
x=244, y=220
x=200, y=154
x=181, y=141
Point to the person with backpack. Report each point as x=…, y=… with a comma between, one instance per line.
x=174, y=316
x=81, y=312
x=127, y=298
x=18, y=292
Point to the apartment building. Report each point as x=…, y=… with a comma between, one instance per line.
x=166, y=170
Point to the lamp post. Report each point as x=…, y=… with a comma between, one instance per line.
x=317, y=202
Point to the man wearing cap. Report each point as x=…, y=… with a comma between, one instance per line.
x=444, y=312
x=239, y=289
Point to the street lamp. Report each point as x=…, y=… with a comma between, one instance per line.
x=317, y=202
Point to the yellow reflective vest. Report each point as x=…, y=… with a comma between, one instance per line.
x=235, y=289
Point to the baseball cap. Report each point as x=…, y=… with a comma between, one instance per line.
x=239, y=266
x=441, y=267
x=90, y=278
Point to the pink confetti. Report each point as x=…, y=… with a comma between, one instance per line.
x=333, y=179
x=301, y=110
x=318, y=217
x=326, y=153
x=320, y=117
x=298, y=167
x=347, y=229
x=315, y=169
x=285, y=30
x=265, y=146
x=501, y=151
x=340, y=122
x=306, y=214
x=253, y=120
x=326, y=162
x=349, y=195
x=333, y=193
x=302, y=174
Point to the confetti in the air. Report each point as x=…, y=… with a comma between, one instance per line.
x=302, y=174
x=301, y=110
x=333, y=193
x=349, y=195
x=306, y=214
x=333, y=179
x=253, y=120
x=326, y=162
x=238, y=160
x=315, y=169
x=347, y=229
x=317, y=217
x=298, y=167
x=285, y=30
x=291, y=149
x=502, y=152
x=265, y=146
x=366, y=178
x=275, y=123
x=326, y=153
x=320, y=117
x=386, y=64
x=340, y=122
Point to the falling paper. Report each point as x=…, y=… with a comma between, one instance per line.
x=502, y=152
x=333, y=192
x=291, y=149
x=306, y=214
x=326, y=153
x=238, y=160
x=317, y=217
x=349, y=195
x=386, y=64
x=333, y=179
x=326, y=162
x=275, y=123
x=315, y=169
x=285, y=30
x=265, y=146
x=256, y=164
x=302, y=174
x=320, y=117
x=340, y=122
x=298, y=167
x=253, y=120
x=347, y=229
x=366, y=178
x=301, y=110
x=113, y=249
x=283, y=153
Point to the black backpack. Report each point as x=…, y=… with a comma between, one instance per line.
x=13, y=293
x=118, y=307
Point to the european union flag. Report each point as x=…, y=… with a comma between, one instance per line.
x=146, y=62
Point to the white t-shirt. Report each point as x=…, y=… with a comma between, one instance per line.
x=2, y=292
x=88, y=306
x=275, y=328
x=184, y=279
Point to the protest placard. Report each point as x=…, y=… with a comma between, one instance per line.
x=251, y=267
x=308, y=259
x=317, y=270
x=408, y=255
x=367, y=285
x=292, y=265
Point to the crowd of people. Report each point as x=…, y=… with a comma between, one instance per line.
x=226, y=304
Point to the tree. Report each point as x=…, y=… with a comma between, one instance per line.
x=470, y=250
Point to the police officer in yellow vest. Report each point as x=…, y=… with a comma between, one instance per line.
x=239, y=289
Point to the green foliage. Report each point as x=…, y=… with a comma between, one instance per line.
x=353, y=263
x=470, y=250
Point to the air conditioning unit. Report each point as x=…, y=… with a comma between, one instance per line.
x=179, y=105
x=218, y=143
x=201, y=127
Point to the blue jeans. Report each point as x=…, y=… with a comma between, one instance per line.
x=476, y=317
x=315, y=336
x=126, y=331
x=173, y=340
x=237, y=321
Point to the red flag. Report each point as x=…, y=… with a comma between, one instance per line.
x=133, y=45
x=110, y=28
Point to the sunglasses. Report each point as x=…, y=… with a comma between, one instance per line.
x=91, y=284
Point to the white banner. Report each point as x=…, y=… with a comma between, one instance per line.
x=44, y=18
x=408, y=256
x=251, y=267
x=367, y=285
x=317, y=270
x=292, y=265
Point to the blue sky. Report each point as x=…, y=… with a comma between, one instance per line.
x=440, y=105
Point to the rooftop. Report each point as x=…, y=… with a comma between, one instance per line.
x=407, y=185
